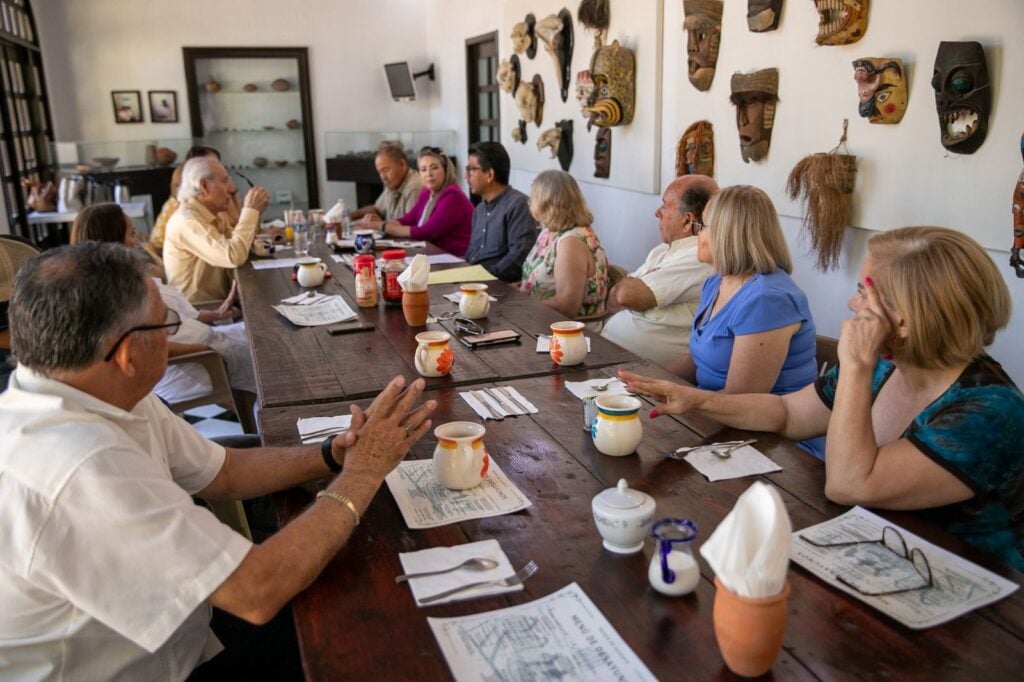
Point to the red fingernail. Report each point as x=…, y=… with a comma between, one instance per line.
x=887, y=356
x=654, y=413
x=869, y=281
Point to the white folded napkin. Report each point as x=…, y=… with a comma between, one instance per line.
x=585, y=389
x=437, y=558
x=749, y=551
x=304, y=299
x=336, y=213
x=501, y=404
x=414, y=277
x=276, y=222
x=317, y=425
x=456, y=296
x=544, y=343
x=743, y=461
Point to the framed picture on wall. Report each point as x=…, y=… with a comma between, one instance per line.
x=127, y=106
x=163, y=106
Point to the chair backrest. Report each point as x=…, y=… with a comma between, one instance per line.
x=221, y=394
x=826, y=352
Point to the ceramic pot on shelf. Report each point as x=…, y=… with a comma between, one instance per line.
x=749, y=631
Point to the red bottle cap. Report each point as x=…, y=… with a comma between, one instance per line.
x=393, y=254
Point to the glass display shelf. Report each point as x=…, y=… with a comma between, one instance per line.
x=119, y=155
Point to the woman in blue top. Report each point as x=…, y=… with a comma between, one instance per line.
x=918, y=416
x=753, y=331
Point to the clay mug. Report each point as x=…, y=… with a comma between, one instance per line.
x=568, y=345
x=749, y=631
x=433, y=356
x=616, y=429
x=364, y=241
x=460, y=458
x=415, y=307
x=475, y=301
x=311, y=272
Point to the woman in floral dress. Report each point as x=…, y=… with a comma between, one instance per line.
x=567, y=268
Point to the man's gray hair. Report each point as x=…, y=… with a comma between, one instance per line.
x=392, y=149
x=195, y=171
x=69, y=304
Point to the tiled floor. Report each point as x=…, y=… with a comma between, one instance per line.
x=212, y=421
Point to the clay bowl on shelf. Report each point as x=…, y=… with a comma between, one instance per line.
x=259, y=162
x=104, y=161
x=165, y=156
x=281, y=85
x=250, y=87
x=268, y=127
x=293, y=124
x=281, y=163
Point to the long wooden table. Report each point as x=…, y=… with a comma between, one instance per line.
x=354, y=622
x=300, y=365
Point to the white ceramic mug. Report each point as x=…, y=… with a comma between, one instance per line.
x=475, y=302
x=568, y=345
x=311, y=272
x=460, y=458
x=617, y=430
x=434, y=358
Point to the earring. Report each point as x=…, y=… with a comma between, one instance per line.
x=897, y=343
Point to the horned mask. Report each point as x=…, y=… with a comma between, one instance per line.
x=755, y=95
x=703, y=26
x=613, y=69
x=881, y=89
x=695, y=153
x=963, y=97
x=763, y=15
x=841, y=22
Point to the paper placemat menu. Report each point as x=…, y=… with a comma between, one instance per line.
x=425, y=503
x=563, y=631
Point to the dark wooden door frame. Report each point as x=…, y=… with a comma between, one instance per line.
x=472, y=88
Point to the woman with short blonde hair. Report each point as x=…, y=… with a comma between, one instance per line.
x=918, y=415
x=567, y=269
x=753, y=331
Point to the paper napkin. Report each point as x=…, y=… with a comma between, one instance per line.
x=437, y=558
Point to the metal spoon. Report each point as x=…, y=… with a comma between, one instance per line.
x=476, y=564
x=603, y=387
x=727, y=447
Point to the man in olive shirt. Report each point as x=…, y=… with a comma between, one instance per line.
x=504, y=231
x=402, y=185
x=200, y=249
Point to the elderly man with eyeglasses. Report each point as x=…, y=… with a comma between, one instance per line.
x=108, y=570
x=657, y=301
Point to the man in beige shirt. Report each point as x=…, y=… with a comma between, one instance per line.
x=200, y=249
x=402, y=185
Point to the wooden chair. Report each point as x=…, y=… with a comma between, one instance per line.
x=826, y=353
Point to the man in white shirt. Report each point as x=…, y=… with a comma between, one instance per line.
x=658, y=300
x=108, y=570
x=402, y=185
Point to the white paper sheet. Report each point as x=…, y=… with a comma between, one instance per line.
x=743, y=461
x=438, y=558
x=563, y=632
x=443, y=259
x=544, y=343
x=960, y=586
x=330, y=310
x=425, y=503
x=274, y=263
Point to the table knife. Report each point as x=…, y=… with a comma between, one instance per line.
x=512, y=399
x=502, y=401
x=481, y=397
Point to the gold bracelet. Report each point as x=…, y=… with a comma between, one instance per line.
x=341, y=499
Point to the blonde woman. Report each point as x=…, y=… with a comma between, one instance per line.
x=567, y=268
x=442, y=214
x=753, y=331
x=918, y=415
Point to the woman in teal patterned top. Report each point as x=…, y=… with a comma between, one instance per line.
x=567, y=268
x=917, y=415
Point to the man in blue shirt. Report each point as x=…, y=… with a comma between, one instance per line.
x=503, y=229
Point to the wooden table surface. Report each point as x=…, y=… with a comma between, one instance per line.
x=354, y=622
x=297, y=365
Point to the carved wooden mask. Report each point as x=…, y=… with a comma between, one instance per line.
x=963, y=97
x=1018, y=220
x=755, y=95
x=703, y=26
x=613, y=69
x=603, y=153
x=763, y=15
x=695, y=153
x=881, y=89
x=584, y=88
x=841, y=22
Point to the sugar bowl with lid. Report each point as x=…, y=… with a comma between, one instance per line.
x=623, y=517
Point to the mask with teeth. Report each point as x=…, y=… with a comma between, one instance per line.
x=1018, y=221
x=963, y=97
x=881, y=89
x=841, y=22
x=763, y=15
x=755, y=95
x=703, y=26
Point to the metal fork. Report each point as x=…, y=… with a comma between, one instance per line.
x=518, y=578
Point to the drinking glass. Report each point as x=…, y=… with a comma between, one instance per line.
x=301, y=241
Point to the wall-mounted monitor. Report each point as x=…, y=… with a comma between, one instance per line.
x=400, y=81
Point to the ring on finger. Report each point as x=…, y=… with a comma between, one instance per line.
x=409, y=428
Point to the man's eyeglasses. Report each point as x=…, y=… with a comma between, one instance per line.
x=462, y=324
x=890, y=562
x=697, y=226
x=471, y=169
x=171, y=323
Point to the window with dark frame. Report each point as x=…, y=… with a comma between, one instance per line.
x=482, y=88
x=26, y=130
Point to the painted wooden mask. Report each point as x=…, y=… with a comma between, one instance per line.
x=755, y=95
x=584, y=87
x=963, y=97
x=881, y=89
x=841, y=22
x=613, y=69
x=603, y=153
x=1018, y=220
x=695, y=153
x=703, y=26
x=763, y=15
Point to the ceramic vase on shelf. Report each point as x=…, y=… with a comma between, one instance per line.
x=749, y=631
